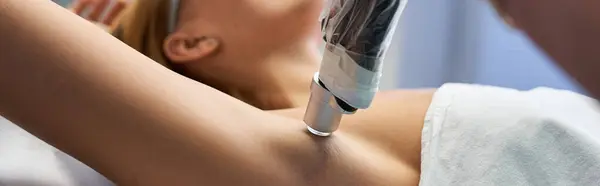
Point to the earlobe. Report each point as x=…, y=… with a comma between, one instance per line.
x=181, y=48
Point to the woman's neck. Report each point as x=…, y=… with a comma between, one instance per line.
x=288, y=82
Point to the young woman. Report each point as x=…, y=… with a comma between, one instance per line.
x=272, y=71
x=140, y=124
x=261, y=52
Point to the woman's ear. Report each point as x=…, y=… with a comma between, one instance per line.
x=182, y=48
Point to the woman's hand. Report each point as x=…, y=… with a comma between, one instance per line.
x=105, y=12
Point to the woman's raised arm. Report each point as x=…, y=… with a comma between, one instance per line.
x=73, y=85
x=78, y=88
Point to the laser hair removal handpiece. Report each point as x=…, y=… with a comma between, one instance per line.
x=357, y=34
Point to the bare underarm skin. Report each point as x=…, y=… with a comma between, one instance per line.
x=392, y=125
x=137, y=123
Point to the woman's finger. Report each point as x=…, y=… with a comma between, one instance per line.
x=114, y=12
x=99, y=6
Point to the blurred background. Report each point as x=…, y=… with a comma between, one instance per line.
x=441, y=41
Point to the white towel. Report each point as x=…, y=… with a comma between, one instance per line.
x=481, y=135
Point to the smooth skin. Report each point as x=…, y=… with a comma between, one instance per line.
x=141, y=124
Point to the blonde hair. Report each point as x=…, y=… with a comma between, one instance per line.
x=144, y=27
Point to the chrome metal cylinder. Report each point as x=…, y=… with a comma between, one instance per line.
x=323, y=114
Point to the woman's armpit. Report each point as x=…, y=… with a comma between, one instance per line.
x=387, y=135
x=341, y=159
